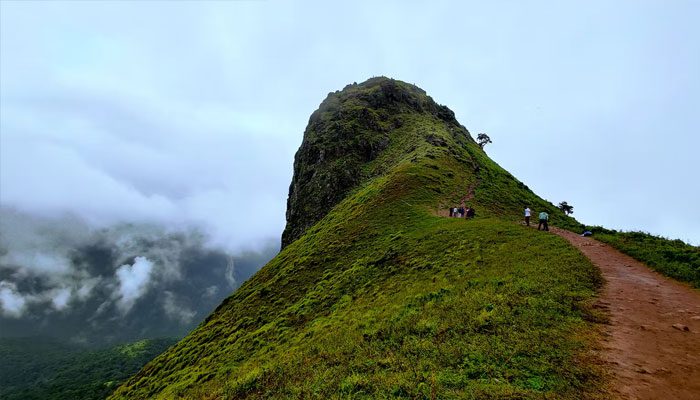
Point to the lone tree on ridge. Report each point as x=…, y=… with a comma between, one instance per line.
x=564, y=206
x=483, y=139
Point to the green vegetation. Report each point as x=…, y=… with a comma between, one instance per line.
x=382, y=298
x=483, y=139
x=673, y=258
x=36, y=368
x=566, y=208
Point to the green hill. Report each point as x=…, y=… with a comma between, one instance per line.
x=376, y=295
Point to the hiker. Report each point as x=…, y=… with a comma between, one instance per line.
x=470, y=212
x=452, y=212
x=527, y=215
x=460, y=212
x=544, y=217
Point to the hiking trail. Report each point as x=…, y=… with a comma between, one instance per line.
x=651, y=345
x=443, y=209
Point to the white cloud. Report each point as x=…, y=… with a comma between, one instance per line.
x=39, y=245
x=39, y=262
x=211, y=291
x=133, y=282
x=12, y=303
x=230, y=270
x=56, y=180
x=71, y=162
x=111, y=271
x=176, y=310
x=85, y=287
x=60, y=298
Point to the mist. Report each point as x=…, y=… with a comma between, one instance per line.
x=64, y=278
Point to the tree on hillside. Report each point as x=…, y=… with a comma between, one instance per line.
x=564, y=206
x=483, y=139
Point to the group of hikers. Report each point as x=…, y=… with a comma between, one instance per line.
x=461, y=212
x=468, y=212
x=544, y=219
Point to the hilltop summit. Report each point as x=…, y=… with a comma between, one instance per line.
x=377, y=294
x=350, y=129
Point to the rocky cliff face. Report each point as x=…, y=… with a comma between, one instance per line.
x=350, y=129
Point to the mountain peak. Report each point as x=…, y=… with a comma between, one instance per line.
x=377, y=293
x=350, y=129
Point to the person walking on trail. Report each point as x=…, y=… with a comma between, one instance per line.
x=544, y=218
x=527, y=215
x=460, y=212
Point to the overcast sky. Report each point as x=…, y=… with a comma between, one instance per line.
x=191, y=112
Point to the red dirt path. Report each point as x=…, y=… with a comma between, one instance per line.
x=646, y=355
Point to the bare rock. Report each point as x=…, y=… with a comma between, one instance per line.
x=681, y=327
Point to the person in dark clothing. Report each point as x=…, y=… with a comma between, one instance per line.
x=452, y=212
x=460, y=212
x=470, y=212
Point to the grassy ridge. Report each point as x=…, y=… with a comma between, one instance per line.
x=463, y=321
x=673, y=258
x=383, y=299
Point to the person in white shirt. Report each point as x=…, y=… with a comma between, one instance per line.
x=527, y=216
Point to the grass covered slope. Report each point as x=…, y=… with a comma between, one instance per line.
x=673, y=258
x=382, y=298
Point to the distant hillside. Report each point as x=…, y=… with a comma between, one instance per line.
x=673, y=258
x=377, y=294
x=72, y=282
x=38, y=368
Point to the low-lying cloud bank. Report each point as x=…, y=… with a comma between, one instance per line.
x=61, y=277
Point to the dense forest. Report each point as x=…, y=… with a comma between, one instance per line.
x=40, y=368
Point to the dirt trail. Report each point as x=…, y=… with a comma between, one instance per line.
x=646, y=346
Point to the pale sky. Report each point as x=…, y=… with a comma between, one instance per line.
x=189, y=113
